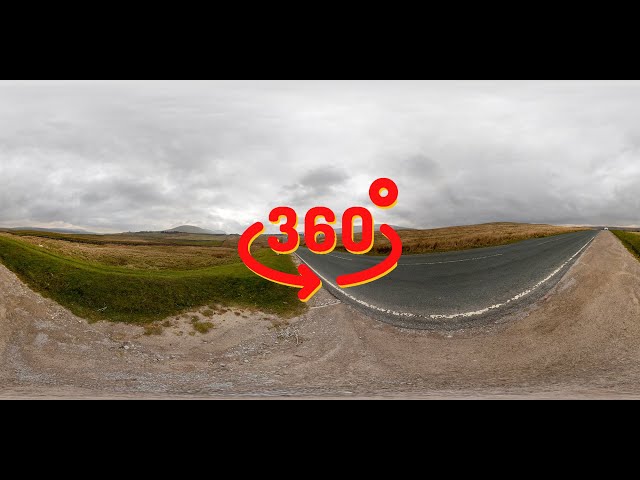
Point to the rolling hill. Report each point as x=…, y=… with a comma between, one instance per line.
x=195, y=230
x=358, y=228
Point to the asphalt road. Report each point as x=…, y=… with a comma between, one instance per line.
x=452, y=290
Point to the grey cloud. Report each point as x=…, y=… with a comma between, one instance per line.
x=419, y=166
x=148, y=155
x=321, y=177
x=316, y=185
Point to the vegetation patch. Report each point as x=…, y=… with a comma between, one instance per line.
x=631, y=240
x=153, y=329
x=202, y=327
x=98, y=291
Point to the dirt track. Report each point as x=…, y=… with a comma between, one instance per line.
x=582, y=339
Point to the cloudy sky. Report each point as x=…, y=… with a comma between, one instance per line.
x=123, y=156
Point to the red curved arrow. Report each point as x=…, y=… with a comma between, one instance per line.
x=307, y=281
x=387, y=266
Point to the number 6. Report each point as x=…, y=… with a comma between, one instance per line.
x=312, y=230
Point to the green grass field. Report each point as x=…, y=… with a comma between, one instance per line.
x=96, y=290
x=631, y=240
x=132, y=239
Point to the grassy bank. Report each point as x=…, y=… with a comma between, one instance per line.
x=132, y=239
x=465, y=237
x=99, y=291
x=631, y=240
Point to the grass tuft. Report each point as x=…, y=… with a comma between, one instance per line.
x=202, y=327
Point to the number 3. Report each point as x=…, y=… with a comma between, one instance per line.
x=289, y=229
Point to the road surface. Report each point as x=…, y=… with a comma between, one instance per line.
x=451, y=290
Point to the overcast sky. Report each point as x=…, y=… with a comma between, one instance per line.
x=108, y=156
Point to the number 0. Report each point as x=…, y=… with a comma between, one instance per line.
x=366, y=242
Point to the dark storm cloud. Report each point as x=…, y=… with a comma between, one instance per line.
x=151, y=155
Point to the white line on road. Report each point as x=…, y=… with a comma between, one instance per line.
x=548, y=241
x=426, y=263
x=456, y=315
x=339, y=256
x=450, y=261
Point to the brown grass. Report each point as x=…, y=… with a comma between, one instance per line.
x=142, y=251
x=141, y=257
x=465, y=237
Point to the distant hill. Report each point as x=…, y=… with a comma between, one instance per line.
x=53, y=230
x=192, y=229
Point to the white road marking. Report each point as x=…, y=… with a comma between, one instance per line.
x=426, y=263
x=456, y=315
x=340, y=257
x=450, y=261
x=548, y=241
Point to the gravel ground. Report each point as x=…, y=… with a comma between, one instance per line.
x=581, y=340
